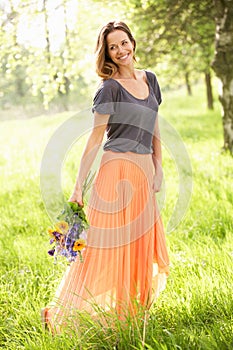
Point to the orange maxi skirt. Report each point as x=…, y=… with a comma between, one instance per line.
x=126, y=262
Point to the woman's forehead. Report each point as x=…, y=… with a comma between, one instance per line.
x=116, y=36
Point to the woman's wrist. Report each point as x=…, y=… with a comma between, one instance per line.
x=157, y=164
x=79, y=182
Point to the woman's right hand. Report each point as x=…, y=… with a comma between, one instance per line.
x=76, y=196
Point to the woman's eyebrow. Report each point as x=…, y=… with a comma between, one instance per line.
x=115, y=43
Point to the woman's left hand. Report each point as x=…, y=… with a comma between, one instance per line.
x=157, y=180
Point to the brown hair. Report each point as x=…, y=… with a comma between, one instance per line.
x=105, y=67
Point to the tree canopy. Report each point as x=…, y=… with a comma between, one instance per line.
x=175, y=37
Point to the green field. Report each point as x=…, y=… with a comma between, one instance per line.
x=196, y=309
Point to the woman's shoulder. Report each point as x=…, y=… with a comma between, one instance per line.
x=107, y=90
x=151, y=75
x=152, y=80
x=107, y=83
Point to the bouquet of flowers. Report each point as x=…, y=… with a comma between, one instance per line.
x=68, y=235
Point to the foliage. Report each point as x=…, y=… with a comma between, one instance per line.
x=195, y=310
x=175, y=38
x=175, y=35
x=55, y=59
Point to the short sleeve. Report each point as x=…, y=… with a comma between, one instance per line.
x=155, y=86
x=105, y=98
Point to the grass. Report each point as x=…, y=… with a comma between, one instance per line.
x=195, y=311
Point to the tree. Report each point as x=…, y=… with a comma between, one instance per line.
x=46, y=49
x=12, y=67
x=181, y=31
x=223, y=65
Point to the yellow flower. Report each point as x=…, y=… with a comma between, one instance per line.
x=50, y=231
x=79, y=245
x=62, y=227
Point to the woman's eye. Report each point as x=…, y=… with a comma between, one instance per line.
x=112, y=47
x=125, y=42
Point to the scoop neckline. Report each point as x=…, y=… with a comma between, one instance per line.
x=140, y=99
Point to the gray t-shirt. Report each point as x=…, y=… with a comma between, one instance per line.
x=131, y=123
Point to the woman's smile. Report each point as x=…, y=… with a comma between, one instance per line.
x=123, y=57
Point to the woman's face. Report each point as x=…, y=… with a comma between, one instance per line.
x=120, y=48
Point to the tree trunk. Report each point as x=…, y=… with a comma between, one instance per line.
x=67, y=47
x=47, y=38
x=209, y=92
x=223, y=65
x=187, y=82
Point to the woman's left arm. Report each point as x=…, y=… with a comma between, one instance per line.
x=157, y=158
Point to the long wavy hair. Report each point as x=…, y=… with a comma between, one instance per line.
x=105, y=67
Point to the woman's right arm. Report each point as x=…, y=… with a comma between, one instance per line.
x=92, y=147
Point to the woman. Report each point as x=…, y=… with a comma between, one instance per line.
x=126, y=263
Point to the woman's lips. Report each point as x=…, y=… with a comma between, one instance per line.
x=123, y=57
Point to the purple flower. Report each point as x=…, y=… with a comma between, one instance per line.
x=51, y=241
x=64, y=253
x=51, y=252
x=57, y=235
x=76, y=226
x=72, y=253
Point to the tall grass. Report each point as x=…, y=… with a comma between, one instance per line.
x=196, y=309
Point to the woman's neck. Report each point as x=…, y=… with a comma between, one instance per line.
x=126, y=73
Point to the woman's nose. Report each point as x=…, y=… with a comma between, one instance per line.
x=120, y=48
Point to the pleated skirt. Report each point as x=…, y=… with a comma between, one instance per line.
x=125, y=264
